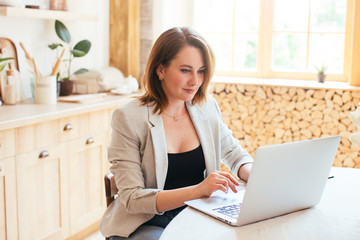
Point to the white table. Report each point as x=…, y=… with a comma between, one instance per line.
x=336, y=217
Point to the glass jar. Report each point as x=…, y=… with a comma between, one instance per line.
x=60, y=5
x=10, y=88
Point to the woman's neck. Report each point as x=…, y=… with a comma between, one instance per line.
x=175, y=108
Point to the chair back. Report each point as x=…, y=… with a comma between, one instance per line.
x=110, y=188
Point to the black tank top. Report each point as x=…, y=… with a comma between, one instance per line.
x=185, y=169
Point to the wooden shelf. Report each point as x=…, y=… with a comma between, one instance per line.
x=45, y=14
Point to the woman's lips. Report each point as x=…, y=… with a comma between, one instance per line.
x=189, y=90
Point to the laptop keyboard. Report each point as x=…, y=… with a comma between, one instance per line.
x=230, y=210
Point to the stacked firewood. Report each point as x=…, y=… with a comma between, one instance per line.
x=264, y=115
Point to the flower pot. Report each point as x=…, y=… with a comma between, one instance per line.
x=66, y=88
x=321, y=77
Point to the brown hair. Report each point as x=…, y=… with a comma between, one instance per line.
x=164, y=50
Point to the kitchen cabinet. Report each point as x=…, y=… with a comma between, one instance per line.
x=8, y=209
x=86, y=171
x=41, y=187
x=52, y=163
x=87, y=164
x=41, y=176
x=70, y=172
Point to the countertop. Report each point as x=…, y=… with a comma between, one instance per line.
x=27, y=112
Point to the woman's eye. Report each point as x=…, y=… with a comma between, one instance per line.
x=185, y=70
x=202, y=71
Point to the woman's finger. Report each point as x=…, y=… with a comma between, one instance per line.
x=227, y=183
x=222, y=188
x=229, y=176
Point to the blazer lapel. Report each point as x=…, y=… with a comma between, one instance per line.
x=203, y=130
x=202, y=126
x=159, y=146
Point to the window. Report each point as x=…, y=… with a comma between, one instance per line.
x=232, y=28
x=278, y=38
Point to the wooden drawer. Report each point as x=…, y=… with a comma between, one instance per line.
x=98, y=121
x=72, y=127
x=7, y=143
x=37, y=136
x=82, y=125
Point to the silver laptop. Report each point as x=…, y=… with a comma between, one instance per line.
x=284, y=178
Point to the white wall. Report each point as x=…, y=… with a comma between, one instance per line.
x=36, y=34
x=171, y=13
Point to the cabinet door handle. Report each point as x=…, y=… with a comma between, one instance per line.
x=68, y=127
x=44, y=154
x=90, y=140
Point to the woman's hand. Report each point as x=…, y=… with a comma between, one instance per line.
x=217, y=180
x=170, y=199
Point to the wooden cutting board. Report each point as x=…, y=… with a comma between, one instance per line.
x=83, y=98
x=7, y=49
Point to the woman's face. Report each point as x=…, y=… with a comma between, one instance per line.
x=184, y=75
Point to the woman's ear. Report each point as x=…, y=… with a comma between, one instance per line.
x=160, y=71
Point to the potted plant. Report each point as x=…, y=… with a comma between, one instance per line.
x=79, y=50
x=321, y=73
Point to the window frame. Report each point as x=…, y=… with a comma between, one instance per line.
x=351, y=49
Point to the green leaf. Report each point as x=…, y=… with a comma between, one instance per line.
x=81, y=70
x=5, y=59
x=81, y=48
x=55, y=45
x=2, y=66
x=62, y=31
x=78, y=53
x=4, y=62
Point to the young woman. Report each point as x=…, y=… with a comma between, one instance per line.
x=167, y=145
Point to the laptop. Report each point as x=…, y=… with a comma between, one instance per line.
x=284, y=178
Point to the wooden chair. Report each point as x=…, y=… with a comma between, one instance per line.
x=110, y=189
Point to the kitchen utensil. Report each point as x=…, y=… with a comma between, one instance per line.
x=57, y=64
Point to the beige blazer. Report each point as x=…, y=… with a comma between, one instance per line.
x=139, y=160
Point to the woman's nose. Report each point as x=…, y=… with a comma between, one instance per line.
x=194, y=80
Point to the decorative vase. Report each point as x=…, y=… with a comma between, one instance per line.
x=321, y=77
x=66, y=88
